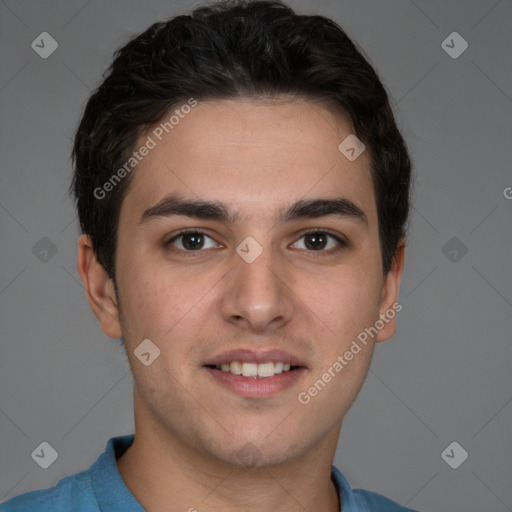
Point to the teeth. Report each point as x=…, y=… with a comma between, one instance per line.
x=249, y=369
x=236, y=368
x=278, y=367
x=268, y=369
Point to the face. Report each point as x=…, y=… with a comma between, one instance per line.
x=283, y=270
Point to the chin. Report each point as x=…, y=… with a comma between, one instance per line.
x=257, y=454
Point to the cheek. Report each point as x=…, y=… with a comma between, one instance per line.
x=158, y=300
x=145, y=300
x=345, y=301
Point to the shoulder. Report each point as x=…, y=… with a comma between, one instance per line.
x=73, y=492
x=359, y=500
x=378, y=503
x=98, y=488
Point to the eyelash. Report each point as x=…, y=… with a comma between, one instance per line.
x=342, y=243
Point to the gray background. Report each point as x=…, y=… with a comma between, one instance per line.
x=446, y=375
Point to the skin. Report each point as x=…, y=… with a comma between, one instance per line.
x=258, y=157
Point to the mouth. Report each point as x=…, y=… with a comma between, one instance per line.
x=255, y=374
x=255, y=370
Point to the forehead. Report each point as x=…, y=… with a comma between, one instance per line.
x=257, y=156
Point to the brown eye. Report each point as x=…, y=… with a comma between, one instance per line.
x=322, y=241
x=191, y=241
x=315, y=241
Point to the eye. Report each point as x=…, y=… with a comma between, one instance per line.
x=314, y=241
x=191, y=241
x=318, y=241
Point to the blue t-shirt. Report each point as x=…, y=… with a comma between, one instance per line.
x=101, y=489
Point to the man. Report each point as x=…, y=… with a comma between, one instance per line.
x=242, y=190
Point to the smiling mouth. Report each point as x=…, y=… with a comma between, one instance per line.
x=255, y=370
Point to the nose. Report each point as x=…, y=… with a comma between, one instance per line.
x=257, y=296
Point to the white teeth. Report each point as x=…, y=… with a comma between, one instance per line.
x=249, y=369
x=265, y=370
x=236, y=368
x=262, y=370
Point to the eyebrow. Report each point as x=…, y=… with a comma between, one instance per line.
x=215, y=210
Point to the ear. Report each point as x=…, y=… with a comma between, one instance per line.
x=389, y=305
x=99, y=288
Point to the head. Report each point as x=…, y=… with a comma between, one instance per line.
x=241, y=107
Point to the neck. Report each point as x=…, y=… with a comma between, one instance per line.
x=166, y=475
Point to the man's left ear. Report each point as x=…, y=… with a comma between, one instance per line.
x=389, y=305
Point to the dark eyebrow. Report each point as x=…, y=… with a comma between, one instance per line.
x=315, y=208
x=206, y=210
x=215, y=210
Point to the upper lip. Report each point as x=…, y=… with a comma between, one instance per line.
x=255, y=356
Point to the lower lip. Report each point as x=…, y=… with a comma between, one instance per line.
x=259, y=387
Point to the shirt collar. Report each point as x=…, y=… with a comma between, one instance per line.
x=348, y=499
x=110, y=489
x=113, y=495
